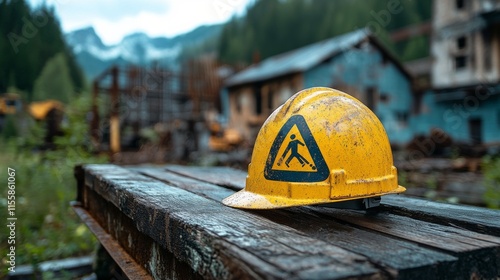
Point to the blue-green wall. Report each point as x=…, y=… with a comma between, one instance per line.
x=357, y=69
x=453, y=115
x=360, y=69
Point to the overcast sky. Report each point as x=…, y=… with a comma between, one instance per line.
x=113, y=19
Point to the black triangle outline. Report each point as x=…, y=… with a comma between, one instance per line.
x=322, y=172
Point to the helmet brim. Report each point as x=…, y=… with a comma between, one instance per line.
x=249, y=200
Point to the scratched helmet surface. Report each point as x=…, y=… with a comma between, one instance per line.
x=320, y=146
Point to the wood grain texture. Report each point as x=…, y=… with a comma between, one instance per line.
x=478, y=254
x=475, y=251
x=222, y=176
x=179, y=208
x=476, y=219
x=468, y=217
x=404, y=259
x=208, y=236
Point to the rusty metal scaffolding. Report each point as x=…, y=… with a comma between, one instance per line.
x=135, y=98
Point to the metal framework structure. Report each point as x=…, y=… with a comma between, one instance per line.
x=127, y=99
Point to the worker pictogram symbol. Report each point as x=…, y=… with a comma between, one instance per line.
x=293, y=147
x=294, y=155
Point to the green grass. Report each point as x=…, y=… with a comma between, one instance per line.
x=46, y=226
x=491, y=169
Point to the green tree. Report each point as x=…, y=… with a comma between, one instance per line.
x=28, y=39
x=271, y=27
x=54, y=82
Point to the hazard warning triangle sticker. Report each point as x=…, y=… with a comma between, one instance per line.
x=295, y=155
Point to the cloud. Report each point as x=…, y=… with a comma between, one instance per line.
x=110, y=9
x=113, y=19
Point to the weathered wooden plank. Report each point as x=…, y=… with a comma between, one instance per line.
x=475, y=251
x=159, y=262
x=222, y=176
x=207, y=235
x=478, y=254
x=201, y=188
x=468, y=217
x=403, y=260
x=162, y=262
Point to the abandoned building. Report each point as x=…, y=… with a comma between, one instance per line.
x=464, y=99
x=456, y=89
x=355, y=63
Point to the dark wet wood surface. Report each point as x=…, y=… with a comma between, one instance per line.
x=171, y=221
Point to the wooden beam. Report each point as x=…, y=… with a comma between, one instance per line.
x=114, y=120
x=408, y=32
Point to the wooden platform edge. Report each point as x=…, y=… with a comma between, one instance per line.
x=112, y=182
x=167, y=207
x=480, y=250
x=121, y=258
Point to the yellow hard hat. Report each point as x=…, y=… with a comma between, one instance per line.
x=320, y=146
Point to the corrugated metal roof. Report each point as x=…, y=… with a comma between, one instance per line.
x=298, y=60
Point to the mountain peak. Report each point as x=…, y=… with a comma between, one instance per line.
x=87, y=35
x=137, y=48
x=88, y=30
x=135, y=36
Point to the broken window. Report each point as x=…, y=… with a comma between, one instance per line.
x=461, y=42
x=402, y=117
x=238, y=98
x=487, y=50
x=460, y=62
x=384, y=98
x=257, y=92
x=460, y=4
x=270, y=99
x=476, y=130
